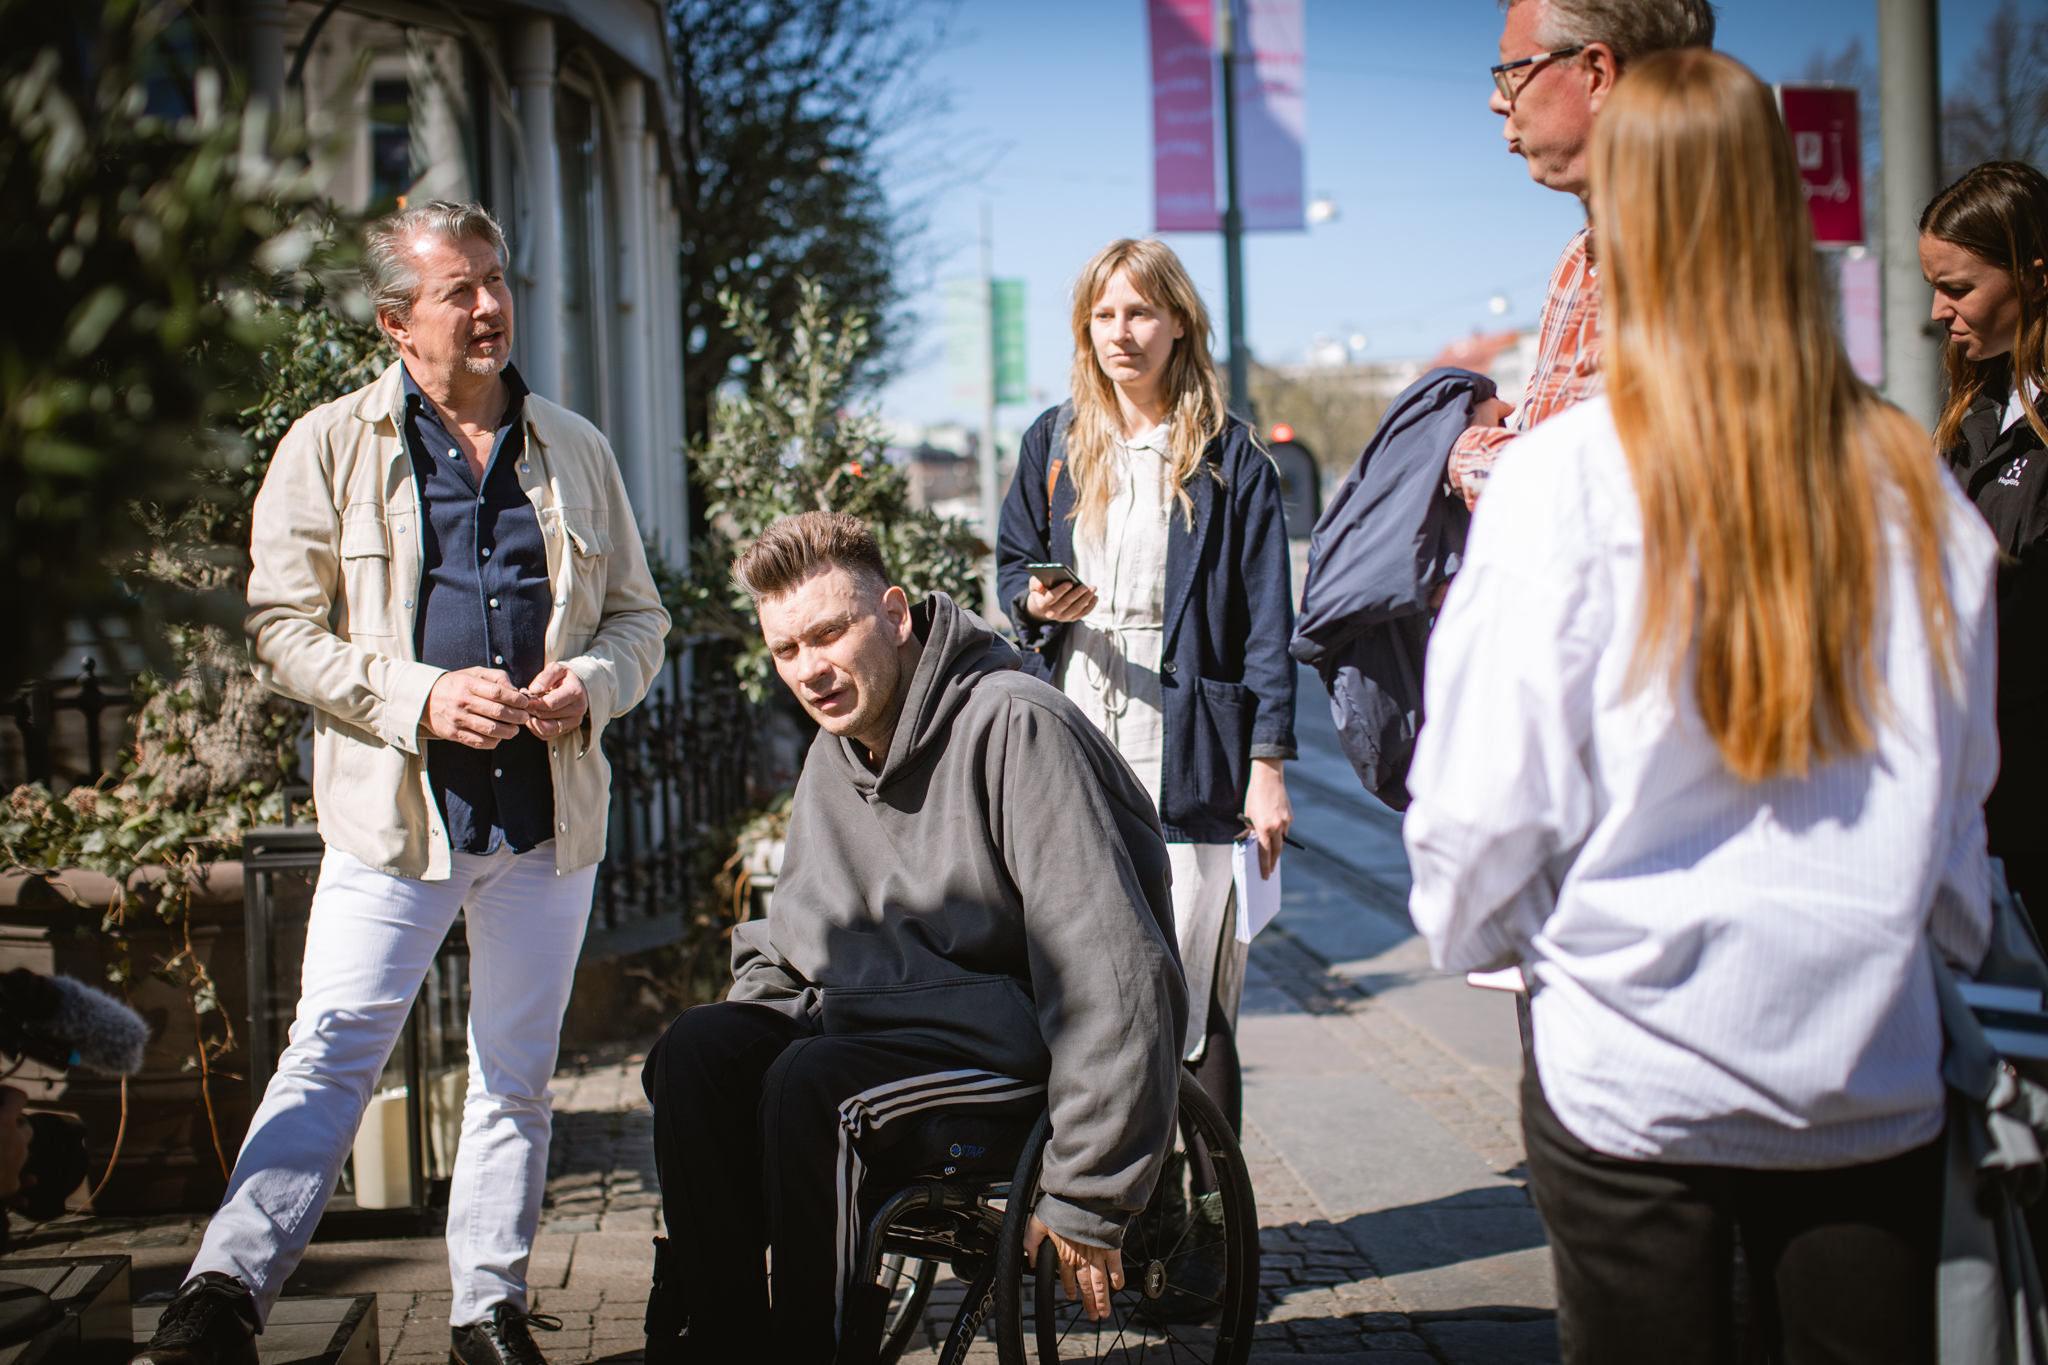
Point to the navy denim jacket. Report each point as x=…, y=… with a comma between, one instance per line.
x=1226, y=679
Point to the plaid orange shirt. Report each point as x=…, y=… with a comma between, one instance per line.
x=1567, y=368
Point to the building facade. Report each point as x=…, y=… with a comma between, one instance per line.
x=561, y=117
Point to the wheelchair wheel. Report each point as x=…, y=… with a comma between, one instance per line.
x=1191, y=1261
x=909, y=1282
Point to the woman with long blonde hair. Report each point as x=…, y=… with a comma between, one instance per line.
x=1710, y=729
x=1170, y=630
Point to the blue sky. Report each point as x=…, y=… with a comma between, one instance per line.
x=1050, y=124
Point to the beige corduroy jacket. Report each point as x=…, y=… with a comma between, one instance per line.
x=337, y=550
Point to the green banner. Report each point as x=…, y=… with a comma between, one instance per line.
x=1008, y=301
x=966, y=339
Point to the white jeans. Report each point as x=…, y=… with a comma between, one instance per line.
x=1210, y=955
x=368, y=947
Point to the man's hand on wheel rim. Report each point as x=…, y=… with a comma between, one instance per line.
x=1088, y=1274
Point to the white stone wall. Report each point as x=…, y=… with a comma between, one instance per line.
x=521, y=65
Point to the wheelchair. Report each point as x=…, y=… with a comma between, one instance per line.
x=1190, y=1259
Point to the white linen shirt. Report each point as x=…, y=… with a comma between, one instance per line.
x=1724, y=973
x=1110, y=668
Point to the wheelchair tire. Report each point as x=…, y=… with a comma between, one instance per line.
x=1191, y=1261
x=906, y=1313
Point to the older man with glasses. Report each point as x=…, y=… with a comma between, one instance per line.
x=1559, y=60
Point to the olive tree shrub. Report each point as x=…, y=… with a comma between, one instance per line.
x=793, y=440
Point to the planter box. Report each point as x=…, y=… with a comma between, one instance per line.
x=167, y=1161
x=305, y=1331
x=92, y=1291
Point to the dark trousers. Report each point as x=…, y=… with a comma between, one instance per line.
x=768, y=1134
x=2015, y=810
x=1219, y=1071
x=1842, y=1261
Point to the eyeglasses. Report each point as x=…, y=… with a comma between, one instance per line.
x=1509, y=87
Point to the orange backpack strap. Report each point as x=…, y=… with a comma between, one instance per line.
x=1057, y=462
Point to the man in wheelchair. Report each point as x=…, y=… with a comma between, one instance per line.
x=971, y=925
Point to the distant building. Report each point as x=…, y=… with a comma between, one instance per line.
x=1504, y=357
x=1379, y=379
x=942, y=461
x=560, y=116
x=944, y=482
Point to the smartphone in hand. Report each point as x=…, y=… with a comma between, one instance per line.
x=1052, y=575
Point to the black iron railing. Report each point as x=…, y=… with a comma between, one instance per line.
x=680, y=765
x=34, y=711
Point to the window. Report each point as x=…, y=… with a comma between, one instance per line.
x=391, y=160
x=583, y=229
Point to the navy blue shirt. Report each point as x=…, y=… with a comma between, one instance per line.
x=484, y=603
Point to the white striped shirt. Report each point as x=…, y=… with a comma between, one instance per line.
x=1725, y=973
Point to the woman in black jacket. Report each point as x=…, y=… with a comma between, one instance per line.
x=1983, y=243
x=1174, y=638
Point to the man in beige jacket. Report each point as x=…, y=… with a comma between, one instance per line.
x=447, y=572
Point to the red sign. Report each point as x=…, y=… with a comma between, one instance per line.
x=1827, y=141
x=1184, y=115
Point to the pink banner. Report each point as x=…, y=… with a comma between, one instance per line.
x=1184, y=135
x=1863, y=317
x=1272, y=115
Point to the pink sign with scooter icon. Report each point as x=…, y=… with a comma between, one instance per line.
x=1828, y=144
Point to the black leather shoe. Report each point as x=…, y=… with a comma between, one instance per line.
x=503, y=1338
x=211, y=1321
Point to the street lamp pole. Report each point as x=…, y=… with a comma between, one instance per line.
x=1910, y=121
x=987, y=452
x=1233, y=217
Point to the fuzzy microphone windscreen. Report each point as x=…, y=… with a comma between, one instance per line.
x=105, y=1034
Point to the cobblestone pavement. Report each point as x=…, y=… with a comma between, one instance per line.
x=1381, y=1134
x=1320, y=1294
x=590, y=1260
x=602, y=1202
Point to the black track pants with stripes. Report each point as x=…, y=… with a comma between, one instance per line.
x=768, y=1134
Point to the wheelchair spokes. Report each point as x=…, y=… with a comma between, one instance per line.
x=908, y=1281
x=1125, y=1336
x=1184, y=1298
x=1191, y=1261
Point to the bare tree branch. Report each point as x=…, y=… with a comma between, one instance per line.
x=1999, y=111
x=790, y=104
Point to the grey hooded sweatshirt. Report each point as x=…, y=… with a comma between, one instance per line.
x=999, y=887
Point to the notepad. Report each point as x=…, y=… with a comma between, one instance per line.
x=1258, y=898
x=2011, y=1016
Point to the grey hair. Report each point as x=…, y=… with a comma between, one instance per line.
x=1633, y=28
x=390, y=276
